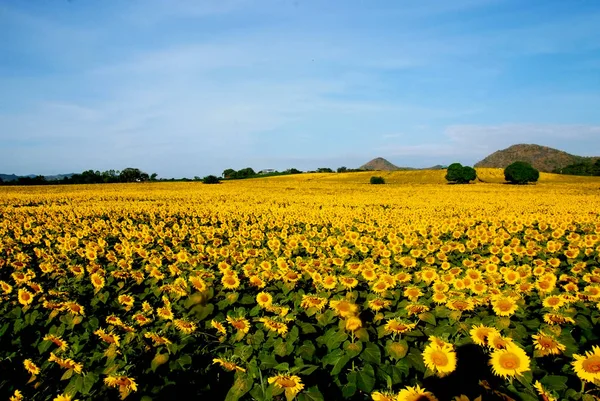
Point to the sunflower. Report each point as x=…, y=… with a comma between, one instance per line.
x=198, y=283
x=509, y=362
x=480, y=334
x=63, y=397
x=31, y=367
x=383, y=396
x=290, y=383
x=126, y=301
x=184, y=326
x=157, y=340
x=412, y=293
x=107, y=338
x=57, y=340
x=460, y=304
x=218, y=326
x=329, y=282
x=557, y=318
x=241, y=324
x=397, y=326
x=503, y=305
x=230, y=282
x=587, y=366
x=553, y=301
x=343, y=308
x=17, y=396
x=378, y=303
x=274, y=326
x=25, y=297
x=380, y=287
x=7, y=288
x=348, y=282
x=440, y=359
x=496, y=341
x=353, y=323
x=415, y=394
x=545, y=395
x=547, y=345
x=264, y=299
x=123, y=383
x=165, y=313
x=97, y=281
x=228, y=365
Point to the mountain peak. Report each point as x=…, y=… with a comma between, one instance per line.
x=541, y=157
x=379, y=163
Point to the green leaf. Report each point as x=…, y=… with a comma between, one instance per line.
x=67, y=375
x=88, y=382
x=396, y=349
x=306, y=350
x=241, y=385
x=332, y=357
x=365, y=378
x=158, y=360
x=335, y=339
x=553, y=382
x=371, y=353
x=416, y=360
x=353, y=349
x=312, y=394
x=267, y=360
x=306, y=328
x=349, y=389
x=308, y=369
x=282, y=367
x=428, y=317
x=339, y=364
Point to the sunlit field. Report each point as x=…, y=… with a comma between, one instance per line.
x=307, y=287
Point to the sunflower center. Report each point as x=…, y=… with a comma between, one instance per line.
x=509, y=361
x=284, y=382
x=592, y=364
x=439, y=358
x=504, y=305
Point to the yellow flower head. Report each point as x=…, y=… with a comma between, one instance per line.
x=290, y=383
x=509, y=362
x=587, y=366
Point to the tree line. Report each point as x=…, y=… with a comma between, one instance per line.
x=589, y=169
x=129, y=174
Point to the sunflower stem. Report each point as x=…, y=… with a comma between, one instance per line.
x=582, y=387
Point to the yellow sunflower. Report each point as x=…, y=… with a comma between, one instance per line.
x=63, y=397
x=397, y=326
x=343, y=308
x=415, y=394
x=31, y=367
x=509, y=362
x=290, y=383
x=264, y=299
x=546, y=344
x=228, y=365
x=440, y=359
x=545, y=395
x=239, y=323
x=353, y=323
x=25, y=297
x=230, y=282
x=504, y=306
x=184, y=326
x=218, y=326
x=587, y=366
x=383, y=396
x=480, y=334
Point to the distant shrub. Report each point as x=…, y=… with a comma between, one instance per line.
x=377, y=180
x=211, y=179
x=521, y=173
x=459, y=174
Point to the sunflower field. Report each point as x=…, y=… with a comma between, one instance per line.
x=309, y=287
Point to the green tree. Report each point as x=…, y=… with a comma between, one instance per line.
x=131, y=174
x=342, y=169
x=211, y=179
x=459, y=174
x=229, y=173
x=521, y=173
x=377, y=180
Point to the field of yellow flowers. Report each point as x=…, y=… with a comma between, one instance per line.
x=308, y=287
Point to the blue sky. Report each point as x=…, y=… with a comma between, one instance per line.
x=185, y=88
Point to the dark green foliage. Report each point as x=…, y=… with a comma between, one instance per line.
x=377, y=180
x=324, y=170
x=521, y=173
x=293, y=171
x=342, y=169
x=459, y=174
x=211, y=179
x=590, y=169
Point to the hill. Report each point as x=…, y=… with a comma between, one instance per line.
x=541, y=157
x=14, y=177
x=380, y=164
